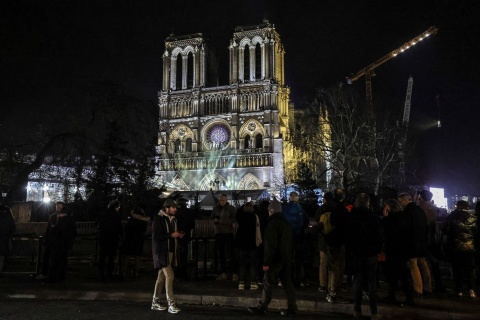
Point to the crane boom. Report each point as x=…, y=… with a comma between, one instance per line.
x=368, y=70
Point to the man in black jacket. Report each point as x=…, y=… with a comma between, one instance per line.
x=335, y=241
x=417, y=243
x=364, y=242
x=277, y=260
x=59, y=237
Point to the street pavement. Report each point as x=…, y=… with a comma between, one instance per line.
x=83, y=285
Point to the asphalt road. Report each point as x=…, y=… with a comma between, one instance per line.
x=111, y=310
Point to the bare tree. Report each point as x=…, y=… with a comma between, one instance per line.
x=345, y=148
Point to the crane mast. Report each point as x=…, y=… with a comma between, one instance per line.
x=403, y=138
x=368, y=71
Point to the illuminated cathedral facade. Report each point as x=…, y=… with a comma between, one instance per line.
x=230, y=137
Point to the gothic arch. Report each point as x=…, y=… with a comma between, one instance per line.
x=245, y=41
x=187, y=50
x=207, y=182
x=251, y=127
x=181, y=132
x=257, y=39
x=249, y=182
x=175, y=52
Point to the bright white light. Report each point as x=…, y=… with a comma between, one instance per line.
x=29, y=188
x=439, y=197
x=427, y=34
x=46, y=199
x=45, y=187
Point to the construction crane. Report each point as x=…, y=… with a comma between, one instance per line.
x=403, y=138
x=368, y=71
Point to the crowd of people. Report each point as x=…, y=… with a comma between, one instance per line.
x=265, y=245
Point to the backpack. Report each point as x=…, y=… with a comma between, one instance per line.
x=325, y=221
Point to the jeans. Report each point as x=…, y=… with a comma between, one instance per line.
x=365, y=271
x=165, y=277
x=247, y=257
x=323, y=270
x=422, y=280
x=284, y=272
x=107, y=252
x=224, y=243
x=336, y=268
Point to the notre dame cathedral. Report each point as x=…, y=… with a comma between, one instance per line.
x=230, y=137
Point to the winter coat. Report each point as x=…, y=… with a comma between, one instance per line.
x=277, y=241
x=110, y=228
x=431, y=211
x=395, y=235
x=227, y=218
x=460, y=229
x=338, y=219
x=247, y=228
x=417, y=230
x=61, y=231
x=364, y=234
x=162, y=241
x=7, y=229
x=133, y=242
x=297, y=218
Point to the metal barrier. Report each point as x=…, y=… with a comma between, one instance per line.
x=25, y=253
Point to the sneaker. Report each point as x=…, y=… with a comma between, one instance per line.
x=223, y=276
x=288, y=312
x=235, y=277
x=279, y=283
x=173, y=309
x=41, y=277
x=157, y=306
x=330, y=299
x=460, y=294
x=257, y=310
x=472, y=294
x=322, y=289
x=241, y=286
x=253, y=286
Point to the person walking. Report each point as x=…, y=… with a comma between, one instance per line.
x=277, y=261
x=364, y=242
x=165, y=237
x=7, y=229
x=110, y=234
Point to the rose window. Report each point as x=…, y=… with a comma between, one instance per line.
x=252, y=126
x=218, y=136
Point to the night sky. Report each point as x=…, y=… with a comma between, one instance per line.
x=50, y=50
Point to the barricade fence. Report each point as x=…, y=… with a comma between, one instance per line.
x=27, y=247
